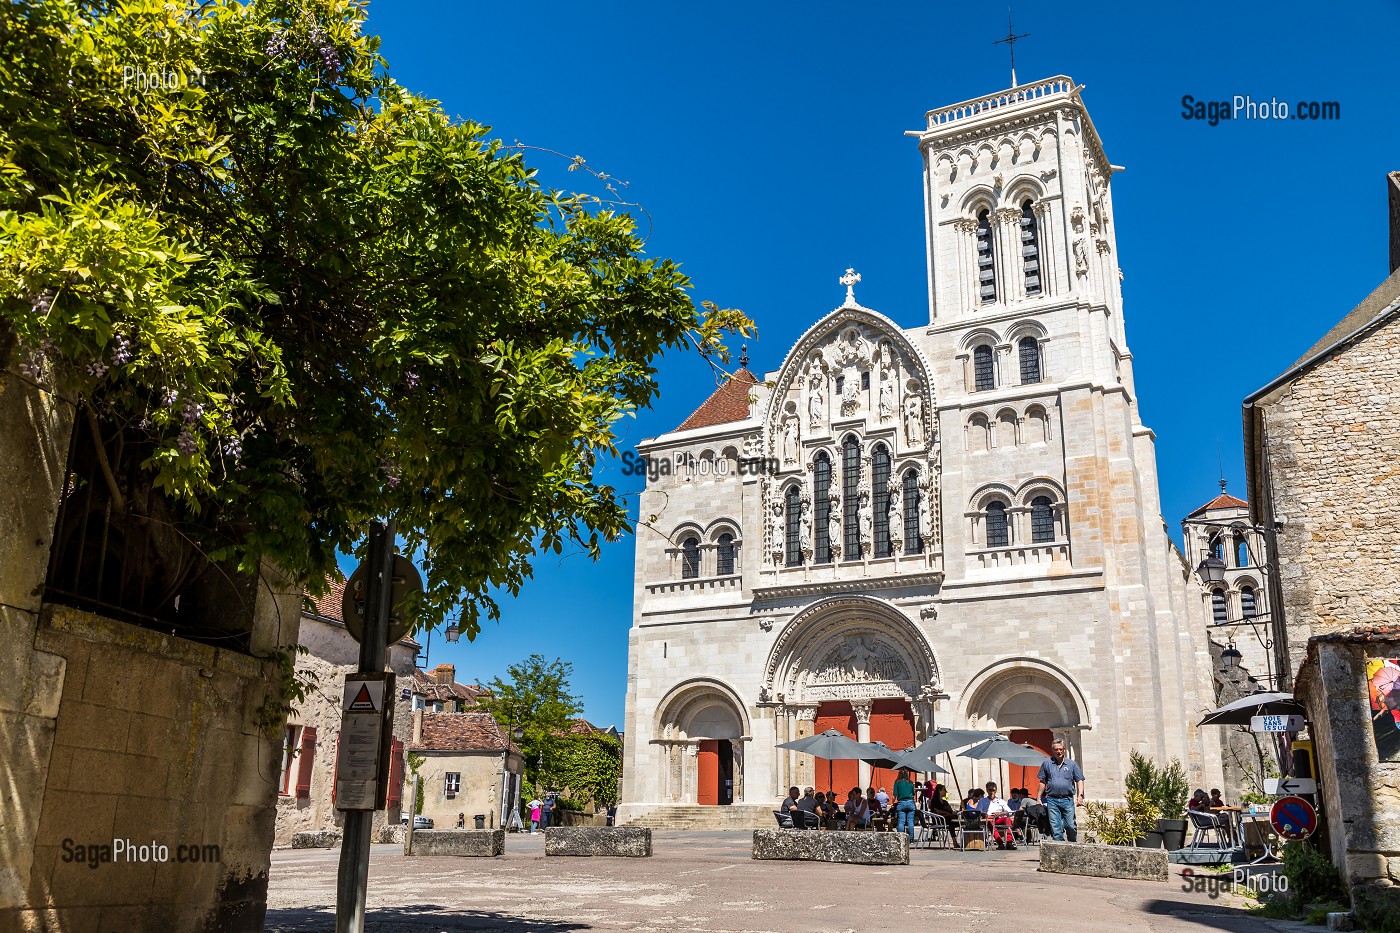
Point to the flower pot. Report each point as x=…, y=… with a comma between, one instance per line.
x=1173, y=834
x=1153, y=840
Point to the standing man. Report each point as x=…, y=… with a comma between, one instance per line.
x=546, y=809
x=1061, y=790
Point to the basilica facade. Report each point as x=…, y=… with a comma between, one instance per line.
x=950, y=524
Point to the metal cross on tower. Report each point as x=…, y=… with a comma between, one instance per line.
x=1010, y=42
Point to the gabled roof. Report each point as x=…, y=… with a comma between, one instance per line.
x=431, y=688
x=462, y=732
x=728, y=403
x=1222, y=501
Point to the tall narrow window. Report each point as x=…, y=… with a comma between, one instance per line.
x=1029, y=349
x=690, y=558
x=997, y=534
x=880, y=480
x=984, y=375
x=1217, y=606
x=822, y=501
x=913, y=544
x=986, y=267
x=1249, y=603
x=794, y=527
x=1030, y=248
x=1042, y=520
x=1241, y=551
x=724, y=555
x=850, y=499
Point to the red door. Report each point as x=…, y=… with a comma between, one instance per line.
x=707, y=789
x=1024, y=775
x=891, y=722
x=838, y=776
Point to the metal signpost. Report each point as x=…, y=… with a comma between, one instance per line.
x=361, y=782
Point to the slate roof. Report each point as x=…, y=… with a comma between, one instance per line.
x=462, y=732
x=728, y=403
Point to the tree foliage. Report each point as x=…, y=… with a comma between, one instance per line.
x=538, y=700
x=588, y=766
x=313, y=298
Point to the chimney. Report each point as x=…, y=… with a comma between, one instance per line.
x=445, y=673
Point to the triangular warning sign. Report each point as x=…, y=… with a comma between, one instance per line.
x=362, y=703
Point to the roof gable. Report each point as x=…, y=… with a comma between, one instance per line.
x=728, y=403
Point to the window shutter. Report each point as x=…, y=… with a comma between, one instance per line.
x=305, y=761
x=395, y=773
x=335, y=769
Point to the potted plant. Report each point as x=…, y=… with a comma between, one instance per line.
x=1121, y=826
x=1168, y=791
x=1142, y=780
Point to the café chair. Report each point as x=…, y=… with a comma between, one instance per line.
x=784, y=821
x=970, y=823
x=1205, y=824
x=934, y=828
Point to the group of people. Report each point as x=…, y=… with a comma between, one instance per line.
x=540, y=811
x=1213, y=805
x=1061, y=790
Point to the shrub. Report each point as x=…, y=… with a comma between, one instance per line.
x=1122, y=826
x=1165, y=787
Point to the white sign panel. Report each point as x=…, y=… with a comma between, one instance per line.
x=361, y=731
x=1290, y=785
x=1276, y=724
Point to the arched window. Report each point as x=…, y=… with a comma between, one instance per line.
x=1029, y=349
x=794, y=527
x=913, y=544
x=1241, y=551
x=850, y=498
x=880, y=480
x=997, y=533
x=690, y=558
x=1042, y=520
x=1030, y=248
x=986, y=267
x=822, y=479
x=724, y=555
x=1217, y=547
x=1217, y=606
x=1249, y=603
x=983, y=373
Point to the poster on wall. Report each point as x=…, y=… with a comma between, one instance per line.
x=1383, y=683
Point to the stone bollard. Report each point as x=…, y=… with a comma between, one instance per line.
x=852, y=848
x=1130, y=862
x=324, y=839
x=465, y=843
x=614, y=841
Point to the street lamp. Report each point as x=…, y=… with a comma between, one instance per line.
x=1230, y=658
x=453, y=633
x=1211, y=571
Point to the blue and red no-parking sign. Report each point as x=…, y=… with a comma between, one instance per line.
x=1293, y=818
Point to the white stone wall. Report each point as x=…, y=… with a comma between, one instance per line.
x=1090, y=634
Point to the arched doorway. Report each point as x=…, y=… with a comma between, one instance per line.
x=703, y=732
x=1031, y=703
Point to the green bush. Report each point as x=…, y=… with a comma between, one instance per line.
x=1311, y=876
x=1122, y=826
x=1165, y=787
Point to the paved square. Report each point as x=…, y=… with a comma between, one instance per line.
x=706, y=882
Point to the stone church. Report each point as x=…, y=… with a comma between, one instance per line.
x=953, y=523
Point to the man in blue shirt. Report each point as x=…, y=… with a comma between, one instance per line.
x=1061, y=789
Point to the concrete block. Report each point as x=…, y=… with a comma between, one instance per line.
x=325, y=839
x=852, y=848
x=1074, y=858
x=469, y=843
x=620, y=841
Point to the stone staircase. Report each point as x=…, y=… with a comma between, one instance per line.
x=691, y=817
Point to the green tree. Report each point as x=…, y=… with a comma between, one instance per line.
x=589, y=766
x=537, y=700
x=300, y=297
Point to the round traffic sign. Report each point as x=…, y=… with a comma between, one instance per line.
x=1293, y=818
x=352, y=605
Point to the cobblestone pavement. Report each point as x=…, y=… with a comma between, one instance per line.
x=706, y=882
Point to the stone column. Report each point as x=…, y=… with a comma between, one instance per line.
x=806, y=725
x=862, y=708
x=690, y=772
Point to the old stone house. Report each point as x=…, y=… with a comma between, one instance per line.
x=438, y=691
x=469, y=767
x=1321, y=445
x=306, y=780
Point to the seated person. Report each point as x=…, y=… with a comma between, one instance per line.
x=857, y=811
x=1014, y=801
x=1216, y=801
x=872, y=801
x=788, y=803
x=884, y=798
x=998, y=814
x=940, y=805
x=1200, y=802
x=808, y=805
x=972, y=799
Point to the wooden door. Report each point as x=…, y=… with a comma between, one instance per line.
x=891, y=722
x=707, y=784
x=1024, y=775
x=838, y=776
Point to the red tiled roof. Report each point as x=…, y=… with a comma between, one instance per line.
x=428, y=686
x=1222, y=501
x=730, y=402
x=328, y=606
x=462, y=732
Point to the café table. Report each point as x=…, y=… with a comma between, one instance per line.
x=1232, y=817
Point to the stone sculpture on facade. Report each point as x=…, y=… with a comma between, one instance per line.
x=816, y=402
x=790, y=439
x=896, y=515
x=886, y=399
x=914, y=420
x=775, y=530
x=867, y=523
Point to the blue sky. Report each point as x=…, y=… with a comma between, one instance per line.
x=765, y=141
